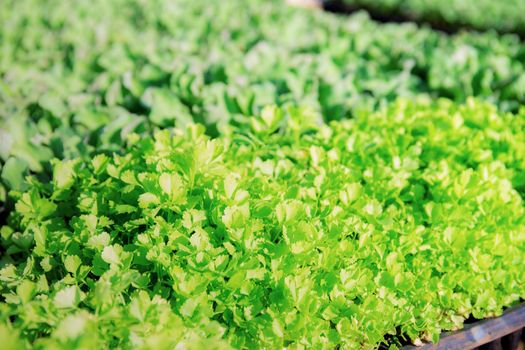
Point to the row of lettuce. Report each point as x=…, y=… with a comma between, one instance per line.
x=78, y=78
x=311, y=206
x=503, y=16
x=288, y=234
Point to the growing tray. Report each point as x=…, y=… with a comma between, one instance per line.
x=500, y=333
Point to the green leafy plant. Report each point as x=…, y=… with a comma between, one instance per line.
x=77, y=77
x=287, y=232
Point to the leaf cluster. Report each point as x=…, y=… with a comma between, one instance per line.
x=286, y=233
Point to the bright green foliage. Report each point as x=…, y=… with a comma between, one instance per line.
x=504, y=15
x=289, y=232
x=78, y=76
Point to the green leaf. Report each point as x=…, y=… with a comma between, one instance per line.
x=111, y=254
x=64, y=174
x=72, y=263
x=14, y=172
x=68, y=297
x=148, y=199
x=173, y=186
x=26, y=291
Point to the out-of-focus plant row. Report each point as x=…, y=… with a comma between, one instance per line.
x=77, y=76
x=503, y=16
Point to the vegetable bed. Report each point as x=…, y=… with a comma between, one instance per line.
x=67, y=90
x=288, y=233
x=240, y=174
